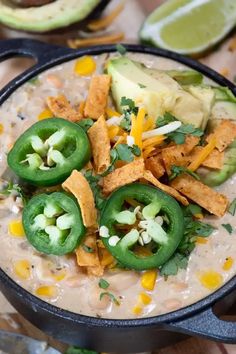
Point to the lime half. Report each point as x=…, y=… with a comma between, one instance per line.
x=189, y=26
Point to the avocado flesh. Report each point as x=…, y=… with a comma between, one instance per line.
x=48, y=17
x=159, y=95
x=183, y=77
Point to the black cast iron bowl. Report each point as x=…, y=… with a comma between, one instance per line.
x=137, y=335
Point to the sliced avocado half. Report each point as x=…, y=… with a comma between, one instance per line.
x=60, y=13
x=160, y=93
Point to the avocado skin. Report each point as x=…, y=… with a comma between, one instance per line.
x=216, y=178
x=52, y=16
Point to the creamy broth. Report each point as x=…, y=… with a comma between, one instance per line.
x=74, y=290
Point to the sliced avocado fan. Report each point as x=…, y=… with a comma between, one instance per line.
x=60, y=13
x=159, y=93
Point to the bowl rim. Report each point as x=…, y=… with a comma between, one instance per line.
x=62, y=55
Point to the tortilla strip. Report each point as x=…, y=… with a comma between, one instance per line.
x=215, y=160
x=96, y=102
x=176, y=155
x=123, y=175
x=77, y=184
x=225, y=134
x=88, y=259
x=155, y=165
x=201, y=194
x=169, y=190
x=100, y=142
x=97, y=271
x=61, y=108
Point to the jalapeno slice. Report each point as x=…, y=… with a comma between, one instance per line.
x=53, y=223
x=48, y=151
x=156, y=224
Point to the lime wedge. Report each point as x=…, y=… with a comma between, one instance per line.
x=189, y=26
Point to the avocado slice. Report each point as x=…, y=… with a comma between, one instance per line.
x=183, y=77
x=159, y=94
x=60, y=13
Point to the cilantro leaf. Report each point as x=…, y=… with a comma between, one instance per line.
x=87, y=248
x=85, y=124
x=126, y=122
x=11, y=187
x=77, y=350
x=190, y=129
x=124, y=152
x=228, y=228
x=141, y=85
x=165, y=119
x=136, y=150
x=232, y=207
x=193, y=209
x=178, y=138
x=96, y=189
x=176, y=262
x=121, y=49
x=127, y=102
x=103, y=283
x=34, y=80
x=111, y=296
x=178, y=170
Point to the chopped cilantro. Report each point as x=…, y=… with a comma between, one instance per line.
x=34, y=80
x=127, y=102
x=176, y=262
x=124, y=152
x=141, y=85
x=85, y=124
x=111, y=296
x=87, y=248
x=14, y=188
x=136, y=150
x=126, y=122
x=103, y=283
x=228, y=228
x=232, y=207
x=77, y=350
x=121, y=49
x=178, y=170
x=96, y=189
x=165, y=119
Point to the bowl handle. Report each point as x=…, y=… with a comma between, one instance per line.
x=40, y=51
x=207, y=324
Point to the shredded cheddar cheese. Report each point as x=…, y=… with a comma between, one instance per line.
x=203, y=154
x=112, y=38
x=106, y=21
x=113, y=131
x=111, y=113
x=156, y=140
x=137, y=127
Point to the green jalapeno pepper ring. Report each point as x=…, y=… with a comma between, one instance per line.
x=53, y=223
x=62, y=145
x=146, y=195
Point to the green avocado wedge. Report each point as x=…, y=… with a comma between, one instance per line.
x=60, y=13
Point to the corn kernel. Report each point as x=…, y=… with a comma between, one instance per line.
x=148, y=279
x=1, y=128
x=46, y=113
x=224, y=71
x=228, y=263
x=85, y=66
x=15, y=228
x=211, y=279
x=46, y=291
x=201, y=240
x=199, y=216
x=22, y=269
x=137, y=310
x=111, y=113
x=144, y=298
x=60, y=275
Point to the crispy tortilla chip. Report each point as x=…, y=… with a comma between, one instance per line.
x=215, y=160
x=61, y=108
x=155, y=165
x=201, y=194
x=169, y=190
x=176, y=155
x=97, y=271
x=96, y=102
x=88, y=259
x=100, y=142
x=123, y=175
x=77, y=184
x=105, y=257
x=225, y=134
